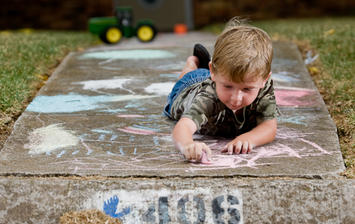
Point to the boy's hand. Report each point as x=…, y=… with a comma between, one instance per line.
x=238, y=146
x=264, y=133
x=195, y=151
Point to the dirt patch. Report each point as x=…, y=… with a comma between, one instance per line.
x=7, y=122
x=88, y=217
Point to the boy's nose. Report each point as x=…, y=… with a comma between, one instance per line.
x=237, y=97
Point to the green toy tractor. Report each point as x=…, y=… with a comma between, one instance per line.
x=112, y=29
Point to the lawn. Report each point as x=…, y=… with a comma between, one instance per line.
x=28, y=57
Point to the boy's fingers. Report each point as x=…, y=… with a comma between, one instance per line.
x=238, y=147
x=195, y=151
x=245, y=147
x=230, y=149
x=208, y=152
x=192, y=150
x=188, y=152
x=250, y=148
x=198, y=152
x=204, y=149
x=187, y=156
x=225, y=148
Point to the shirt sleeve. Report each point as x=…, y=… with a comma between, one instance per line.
x=266, y=108
x=202, y=108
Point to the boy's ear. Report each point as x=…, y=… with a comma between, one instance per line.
x=267, y=78
x=210, y=67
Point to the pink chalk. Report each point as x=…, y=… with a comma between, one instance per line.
x=140, y=131
x=204, y=159
x=285, y=97
x=132, y=130
x=129, y=115
x=315, y=146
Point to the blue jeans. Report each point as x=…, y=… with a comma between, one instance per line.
x=189, y=79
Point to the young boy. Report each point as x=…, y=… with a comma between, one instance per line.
x=232, y=96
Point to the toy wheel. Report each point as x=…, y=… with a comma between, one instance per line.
x=146, y=33
x=112, y=35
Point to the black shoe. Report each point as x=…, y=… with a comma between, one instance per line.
x=203, y=56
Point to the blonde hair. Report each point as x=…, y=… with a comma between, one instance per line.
x=242, y=51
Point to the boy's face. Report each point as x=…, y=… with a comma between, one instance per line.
x=237, y=95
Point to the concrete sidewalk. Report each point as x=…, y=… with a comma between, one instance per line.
x=95, y=137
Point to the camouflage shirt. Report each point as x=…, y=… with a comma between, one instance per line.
x=200, y=103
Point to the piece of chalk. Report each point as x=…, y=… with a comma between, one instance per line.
x=204, y=159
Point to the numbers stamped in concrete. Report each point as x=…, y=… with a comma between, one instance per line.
x=165, y=206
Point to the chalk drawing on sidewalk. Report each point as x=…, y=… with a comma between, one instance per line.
x=160, y=88
x=284, y=63
x=71, y=103
x=295, y=97
x=96, y=85
x=298, y=119
x=286, y=77
x=130, y=115
x=264, y=155
x=163, y=88
x=50, y=138
x=146, y=144
x=156, y=152
x=174, y=76
x=138, y=54
x=140, y=131
x=172, y=66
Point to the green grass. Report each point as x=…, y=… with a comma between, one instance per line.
x=26, y=57
x=333, y=39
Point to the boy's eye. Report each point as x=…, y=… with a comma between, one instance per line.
x=228, y=87
x=247, y=89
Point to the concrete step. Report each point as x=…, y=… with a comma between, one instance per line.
x=95, y=137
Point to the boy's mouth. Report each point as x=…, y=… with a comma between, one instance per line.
x=235, y=105
x=234, y=108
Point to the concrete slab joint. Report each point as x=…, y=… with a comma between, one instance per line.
x=95, y=138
